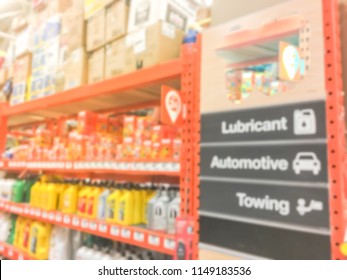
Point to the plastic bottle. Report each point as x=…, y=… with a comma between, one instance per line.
x=82, y=199
x=24, y=235
x=70, y=197
x=50, y=201
x=35, y=194
x=150, y=208
x=60, y=244
x=20, y=223
x=27, y=189
x=7, y=187
x=93, y=199
x=126, y=207
x=60, y=189
x=173, y=212
x=18, y=191
x=39, y=240
x=113, y=204
x=10, y=238
x=102, y=200
x=5, y=226
x=143, y=192
x=160, y=208
x=138, y=205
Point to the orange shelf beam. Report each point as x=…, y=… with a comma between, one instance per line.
x=138, y=79
x=137, y=236
x=13, y=253
x=130, y=167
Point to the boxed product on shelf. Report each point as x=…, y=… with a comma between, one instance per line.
x=96, y=31
x=73, y=29
x=116, y=20
x=76, y=69
x=120, y=59
x=96, y=63
x=156, y=43
x=21, y=73
x=22, y=68
x=23, y=41
x=144, y=13
x=92, y=6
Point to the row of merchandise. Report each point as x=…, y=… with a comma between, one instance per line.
x=100, y=137
x=151, y=205
x=44, y=241
x=60, y=47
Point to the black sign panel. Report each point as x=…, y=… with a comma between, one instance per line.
x=299, y=163
x=269, y=242
x=293, y=205
x=296, y=121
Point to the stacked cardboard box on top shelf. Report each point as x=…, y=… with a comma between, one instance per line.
x=133, y=35
x=67, y=43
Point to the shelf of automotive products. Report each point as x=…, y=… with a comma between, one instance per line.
x=90, y=188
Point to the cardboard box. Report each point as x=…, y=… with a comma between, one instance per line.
x=73, y=23
x=92, y=6
x=22, y=69
x=116, y=20
x=96, y=63
x=23, y=42
x=96, y=31
x=144, y=13
x=76, y=69
x=18, y=94
x=155, y=44
x=118, y=59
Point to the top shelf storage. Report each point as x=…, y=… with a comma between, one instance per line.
x=125, y=91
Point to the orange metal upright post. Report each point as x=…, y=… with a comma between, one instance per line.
x=335, y=124
x=190, y=159
x=3, y=128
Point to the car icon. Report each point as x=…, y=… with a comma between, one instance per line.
x=306, y=161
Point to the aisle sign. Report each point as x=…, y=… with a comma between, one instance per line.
x=295, y=205
x=172, y=106
x=263, y=130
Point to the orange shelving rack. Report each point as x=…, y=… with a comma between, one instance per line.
x=137, y=90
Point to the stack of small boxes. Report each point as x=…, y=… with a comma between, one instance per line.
x=67, y=43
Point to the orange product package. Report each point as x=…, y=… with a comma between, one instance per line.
x=163, y=132
x=155, y=150
x=43, y=138
x=115, y=126
x=165, y=149
x=146, y=149
x=102, y=124
x=128, y=148
x=86, y=122
x=129, y=126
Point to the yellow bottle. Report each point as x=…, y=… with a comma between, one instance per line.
x=20, y=222
x=70, y=196
x=24, y=235
x=83, y=195
x=92, y=202
x=126, y=207
x=34, y=194
x=42, y=194
x=144, y=196
x=138, y=205
x=50, y=195
x=61, y=187
x=113, y=204
x=39, y=240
